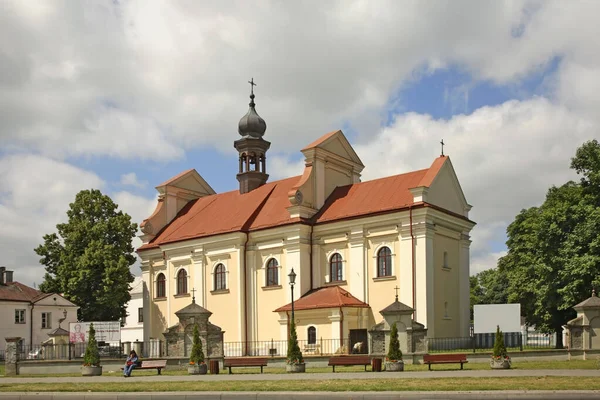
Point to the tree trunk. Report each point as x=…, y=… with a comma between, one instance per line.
x=559, y=337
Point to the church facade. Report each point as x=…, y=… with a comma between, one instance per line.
x=353, y=245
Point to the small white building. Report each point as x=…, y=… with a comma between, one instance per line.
x=28, y=313
x=134, y=322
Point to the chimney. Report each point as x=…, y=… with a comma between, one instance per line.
x=2, y=269
x=8, y=276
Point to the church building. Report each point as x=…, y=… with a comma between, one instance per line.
x=352, y=245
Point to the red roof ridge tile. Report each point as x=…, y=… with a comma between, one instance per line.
x=321, y=139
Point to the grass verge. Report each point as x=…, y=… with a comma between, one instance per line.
x=331, y=385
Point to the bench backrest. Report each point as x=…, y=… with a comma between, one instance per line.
x=444, y=357
x=350, y=359
x=242, y=362
x=154, y=363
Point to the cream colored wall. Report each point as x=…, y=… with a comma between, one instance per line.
x=225, y=306
x=334, y=178
x=337, y=244
x=446, y=285
x=381, y=290
x=446, y=193
x=269, y=298
x=8, y=328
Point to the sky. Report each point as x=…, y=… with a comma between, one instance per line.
x=122, y=95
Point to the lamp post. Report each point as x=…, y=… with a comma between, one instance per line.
x=292, y=276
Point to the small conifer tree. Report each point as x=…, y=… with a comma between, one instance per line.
x=294, y=355
x=499, y=347
x=394, y=352
x=91, y=357
x=197, y=356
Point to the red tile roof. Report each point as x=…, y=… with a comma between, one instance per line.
x=320, y=140
x=230, y=212
x=325, y=297
x=385, y=194
x=267, y=205
x=16, y=291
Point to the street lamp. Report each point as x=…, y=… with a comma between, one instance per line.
x=292, y=276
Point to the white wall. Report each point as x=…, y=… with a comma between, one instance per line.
x=134, y=330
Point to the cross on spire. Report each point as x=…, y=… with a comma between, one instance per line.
x=252, y=84
x=442, y=143
x=193, y=295
x=396, y=289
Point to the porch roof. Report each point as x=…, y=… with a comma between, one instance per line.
x=324, y=297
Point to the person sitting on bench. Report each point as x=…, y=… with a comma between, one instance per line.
x=130, y=363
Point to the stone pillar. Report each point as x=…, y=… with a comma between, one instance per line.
x=11, y=356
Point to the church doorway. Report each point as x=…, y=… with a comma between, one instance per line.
x=358, y=341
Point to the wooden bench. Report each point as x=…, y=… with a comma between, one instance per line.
x=349, y=360
x=445, y=359
x=245, y=362
x=151, y=364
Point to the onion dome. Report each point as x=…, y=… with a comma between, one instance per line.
x=252, y=124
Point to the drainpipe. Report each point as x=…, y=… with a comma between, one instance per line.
x=414, y=265
x=31, y=327
x=245, y=296
x=342, y=328
x=310, y=252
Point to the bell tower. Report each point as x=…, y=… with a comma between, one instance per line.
x=252, y=148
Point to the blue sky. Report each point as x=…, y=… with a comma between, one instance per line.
x=122, y=97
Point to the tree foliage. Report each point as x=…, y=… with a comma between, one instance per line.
x=488, y=287
x=394, y=352
x=294, y=355
x=553, y=258
x=88, y=260
x=91, y=358
x=197, y=355
x=499, y=346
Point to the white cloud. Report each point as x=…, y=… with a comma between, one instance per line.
x=131, y=179
x=36, y=193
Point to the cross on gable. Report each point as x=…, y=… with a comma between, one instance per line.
x=442, y=143
x=396, y=289
x=193, y=295
x=252, y=84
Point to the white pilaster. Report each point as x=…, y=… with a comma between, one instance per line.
x=424, y=309
x=464, y=285
x=199, y=277
x=240, y=290
x=356, y=268
x=251, y=268
x=404, y=268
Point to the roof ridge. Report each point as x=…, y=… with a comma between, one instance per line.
x=246, y=225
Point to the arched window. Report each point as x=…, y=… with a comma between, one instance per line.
x=182, y=282
x=160, y=286
x=272, y=272
x=384, y=262
x=335, y=267
x=312, y=335
x=220, y=277
x=445, y=265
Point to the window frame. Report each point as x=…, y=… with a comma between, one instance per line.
x=20, y=317
x=272, y=271
x=387, y=262
x=182, y=278
x=161, y=286
x=46, y=320
x=220, y=277
x=140, y=314
x=308, y=335
x=338, y=263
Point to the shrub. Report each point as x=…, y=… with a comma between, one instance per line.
x=91, y=357
x=500, y=352
x=394, y=352
x=197, y=356
x=294, y=355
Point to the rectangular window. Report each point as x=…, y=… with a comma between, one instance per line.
x=19, y=316
x=46, y=320
x=140, y=315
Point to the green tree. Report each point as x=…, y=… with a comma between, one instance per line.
x=394, y=352
x=197, y=355
x=91, y=358
x=294, y=355
x=88, y=260
x=488, y=287
x=553, y=258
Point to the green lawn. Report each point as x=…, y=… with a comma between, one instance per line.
x=330, y=385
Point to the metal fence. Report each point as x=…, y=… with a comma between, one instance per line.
x=73, y=351
x=515, y=341
x=276, y=348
